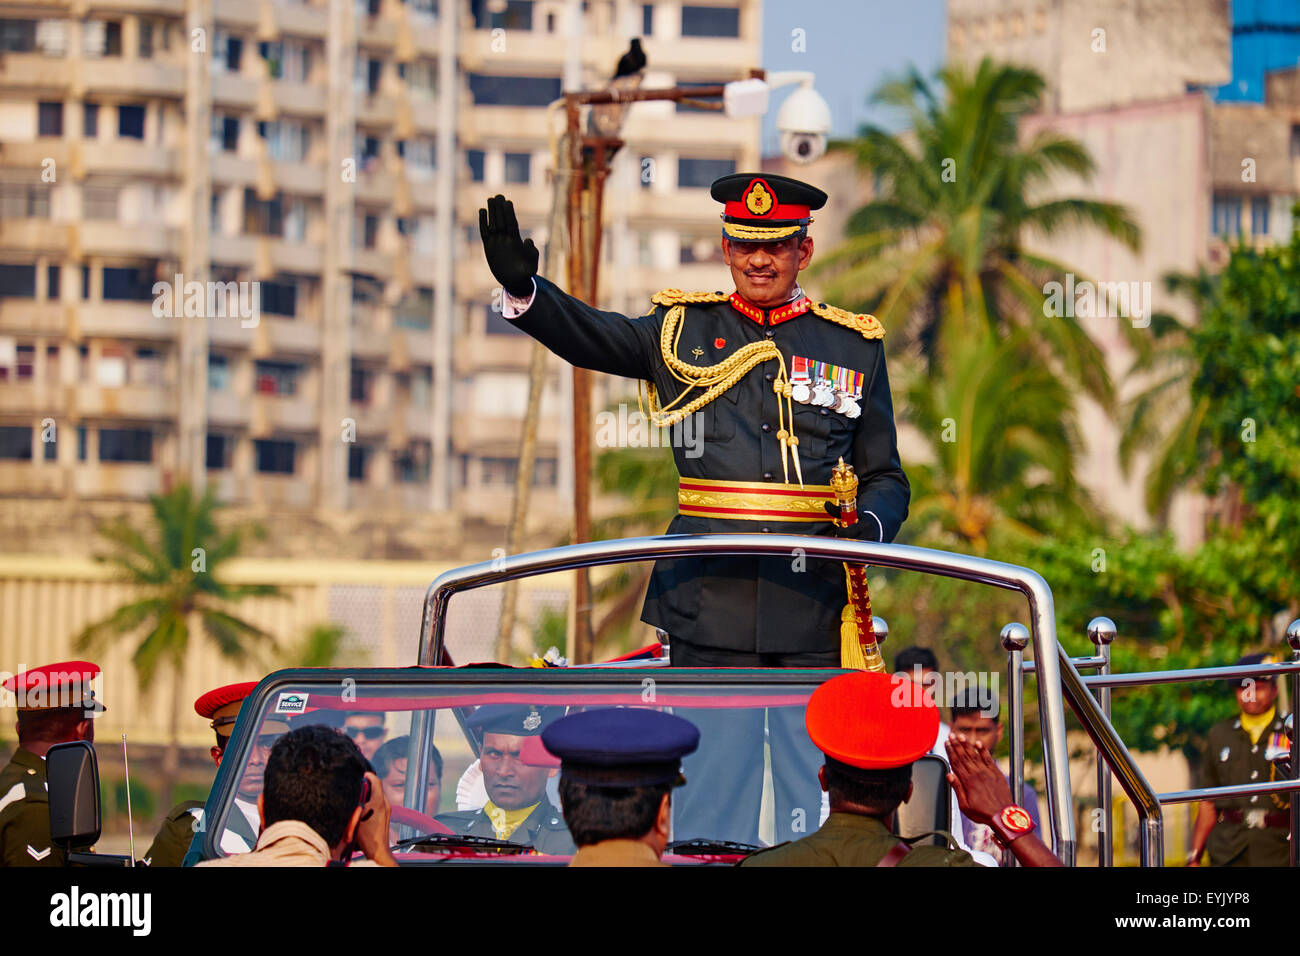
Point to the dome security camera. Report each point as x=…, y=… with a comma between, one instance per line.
x=804, y=120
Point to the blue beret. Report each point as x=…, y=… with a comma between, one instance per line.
x=621, y=746
x=521, y=720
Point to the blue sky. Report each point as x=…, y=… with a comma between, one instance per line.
x=852, y=45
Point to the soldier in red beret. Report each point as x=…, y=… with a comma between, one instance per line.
x=56, y=704
x=871, y=733
x=221, y=707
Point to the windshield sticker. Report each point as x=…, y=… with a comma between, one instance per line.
x=291, y=703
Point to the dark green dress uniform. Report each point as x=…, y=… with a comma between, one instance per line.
x=1251, y=831
x=849, y=839
x=746, y=604
x=543, y=829
x=25, y=814
x=173, y=839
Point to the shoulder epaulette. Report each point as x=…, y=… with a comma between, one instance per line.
x=678, y=297
x=868, y=325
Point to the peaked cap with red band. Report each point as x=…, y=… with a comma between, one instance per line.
x=62, y=686
x=221, y=697
x=873, y=721
x=765, y=207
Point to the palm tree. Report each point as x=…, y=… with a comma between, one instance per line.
x=1004, y=443
x=319, y=647
x=938, y=252
x=175, y=569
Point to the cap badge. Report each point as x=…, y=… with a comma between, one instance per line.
x=533, y=720
x=758, y=198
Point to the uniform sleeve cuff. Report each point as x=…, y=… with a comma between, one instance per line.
x=513, y=306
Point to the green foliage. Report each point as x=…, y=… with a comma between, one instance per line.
x=175, y=567
x=319, y=647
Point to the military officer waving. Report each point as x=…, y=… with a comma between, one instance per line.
x=56, y=704
x=783, y=387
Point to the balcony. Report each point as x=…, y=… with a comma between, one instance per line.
x=115, y=239
x=26, y=398
x=229, y=169
x=300, y=19
x=37, y=235
x=298, y=179
x=492, y=351
x=484, y=123
x=377, y=109
x=272, y=414
x=125, y=156
x=129, y=320
x=375, y=188
x=525, y=51
x=281, y=491
x=238, y=251
x=370, y=342
x=115, y=75
x=235, y=89
x=284, y=336
x=32, y=479
x=156, y=403
x=34, y=71
x=290, y=255
x=28, y=315
x=373, y=420
x=299, y=99
x=117, y=480
x=230, y=333
x=174, y=8
x=225, y=407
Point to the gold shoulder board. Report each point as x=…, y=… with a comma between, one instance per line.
x=868, y=325
x=672, y=297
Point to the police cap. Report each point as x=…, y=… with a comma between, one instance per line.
x=622, y=746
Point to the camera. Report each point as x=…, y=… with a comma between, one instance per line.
x=804, y=120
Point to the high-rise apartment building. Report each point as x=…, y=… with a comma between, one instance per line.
x=159, y=157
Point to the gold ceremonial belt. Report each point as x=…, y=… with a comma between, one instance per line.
x=752, y=500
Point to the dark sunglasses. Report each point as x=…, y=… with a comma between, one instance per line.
x=370, y=733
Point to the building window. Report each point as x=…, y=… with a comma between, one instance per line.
x=130, y=121
x=113, y=38
x=24, y=201
x=129, y=285
x=415, y=311
x=17, y=36
x=218, y=374
x=99, y=202
x=475, y=159
x=362, y=385
x=498, y=471
x=647, y=19
x=146, y=39
x=411, y=465
x=497, y=324
x=286, y=60
x=700, y=173
x=273, y=456
x=52, y=289
x=51, y=452
x=710, y=21
x=517, y=167
x=428, y=9
x=15, y=443
x=517, y=15
x=49, y=119
x=513, y=90
x=1295, y=141
x=125, y=444
x=263, y=217
x=89, y=120
x=225, y=133
x=419, y=156
x=286, y=140
x=277, y=378
x=228, y=52
x=422, y=386
x=218, y=452
x=279, y=298
x=545, y=472
x=358, y=459
x=1259, y=216
x=81, y=443
x=17, y=282
x=421, y=77
x=365, y=230
x=1226, y=216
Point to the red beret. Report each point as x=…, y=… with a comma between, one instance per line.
x=55, y=686
x=873, y=721
x=214, y=700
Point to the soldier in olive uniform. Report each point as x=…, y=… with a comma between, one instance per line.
x=1245, y=831
x=221, y=707
x=516, y=770
x=56, y=704
x=871, y=736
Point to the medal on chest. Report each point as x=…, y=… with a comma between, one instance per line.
x=824, y=385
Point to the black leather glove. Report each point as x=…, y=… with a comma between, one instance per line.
x=512, y=260
x=864, y=530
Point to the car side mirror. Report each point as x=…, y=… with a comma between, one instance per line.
x=72, y=777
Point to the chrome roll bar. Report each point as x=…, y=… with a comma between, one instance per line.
x=1101, y=631
x=1057, y=673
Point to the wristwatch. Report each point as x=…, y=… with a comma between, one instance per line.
x=1011, y=824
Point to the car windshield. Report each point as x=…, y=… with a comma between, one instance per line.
x=490, y=788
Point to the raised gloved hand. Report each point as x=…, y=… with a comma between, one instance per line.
x=512, y=260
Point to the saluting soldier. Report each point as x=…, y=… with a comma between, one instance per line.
x=56, y=704
x=516, y=770
x=221, y=707
x=1245, y=831
x=780, y=387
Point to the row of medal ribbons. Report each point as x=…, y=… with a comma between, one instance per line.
x=822, y=384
